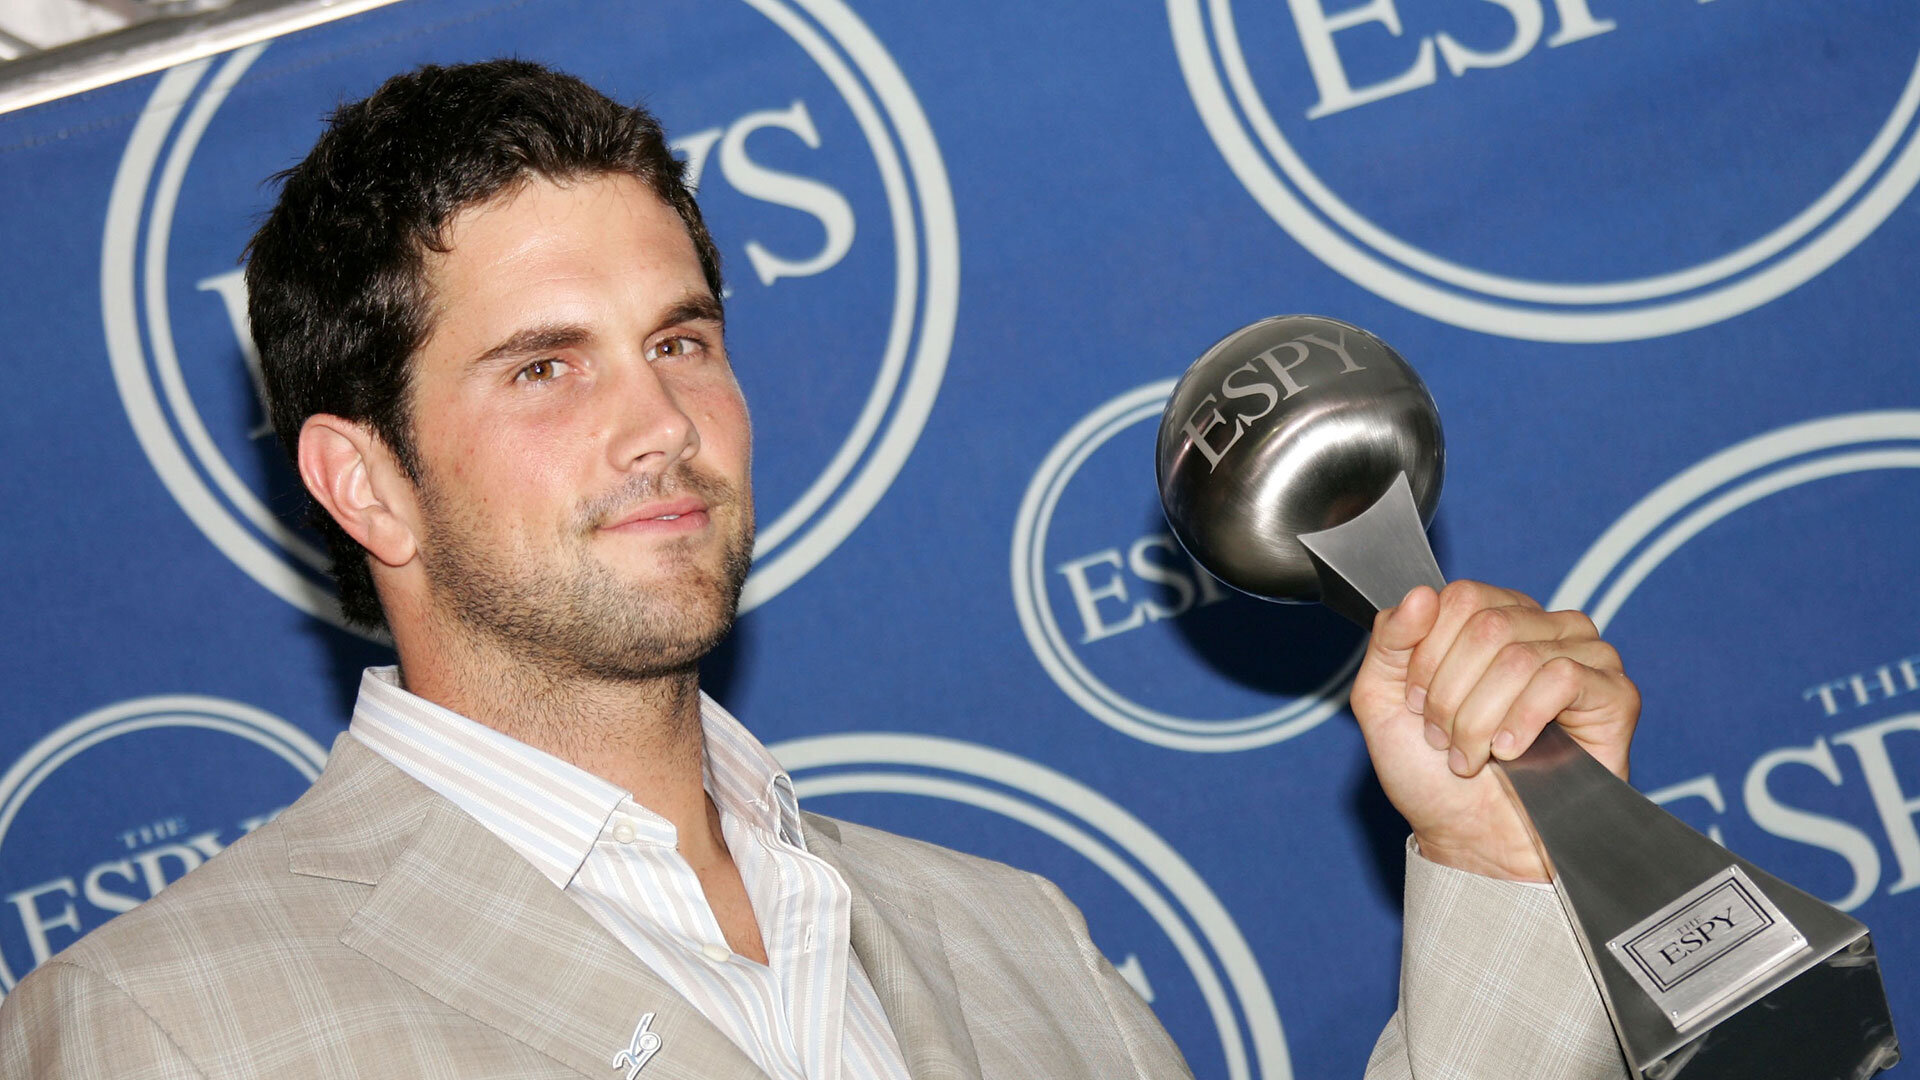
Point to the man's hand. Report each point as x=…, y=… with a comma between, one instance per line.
x=1473, y=672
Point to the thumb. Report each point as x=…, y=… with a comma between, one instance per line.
x=1396, y=631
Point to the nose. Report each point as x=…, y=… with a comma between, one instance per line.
x=650, y=430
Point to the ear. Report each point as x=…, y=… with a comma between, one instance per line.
x=353, y=476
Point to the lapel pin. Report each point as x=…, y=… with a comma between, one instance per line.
x=645, y=1044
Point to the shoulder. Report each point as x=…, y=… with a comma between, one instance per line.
x=39, y=1035
x=1019, y=953
x=970, y=896
x=117, y=1000
x=906, y=860
x=274, y=899
x=239, y=899
x=221, y=958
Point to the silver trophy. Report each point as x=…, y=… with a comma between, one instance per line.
x=1300, y=459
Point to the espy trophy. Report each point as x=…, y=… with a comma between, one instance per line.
x=1300, y=459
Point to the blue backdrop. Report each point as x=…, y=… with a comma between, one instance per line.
x=1654, y=258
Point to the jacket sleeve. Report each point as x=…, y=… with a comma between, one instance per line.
x=1492, y=987
x=65, y=1021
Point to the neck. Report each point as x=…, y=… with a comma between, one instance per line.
x=642, y=734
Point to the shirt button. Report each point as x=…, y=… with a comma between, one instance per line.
x=623, y=832
x=719, y=954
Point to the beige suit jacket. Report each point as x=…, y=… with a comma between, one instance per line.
x=374, y=930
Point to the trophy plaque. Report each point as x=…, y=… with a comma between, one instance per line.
x=1300, y=459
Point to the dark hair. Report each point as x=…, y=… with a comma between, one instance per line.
x=336, y=276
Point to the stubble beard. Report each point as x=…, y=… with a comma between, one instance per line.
x=576, y=613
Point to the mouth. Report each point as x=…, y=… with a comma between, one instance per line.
x=685, y=514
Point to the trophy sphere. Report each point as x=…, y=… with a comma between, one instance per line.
x=1286, y=426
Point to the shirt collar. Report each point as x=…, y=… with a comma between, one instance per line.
x=549, y=810
x=744, y=778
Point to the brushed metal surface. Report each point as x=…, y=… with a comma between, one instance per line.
x=1291, y=425
x=1300, y=459
x=1616, y=857
x=1373, y=561
x=1707, y=946
x=1829, y=1022
x=157, y=44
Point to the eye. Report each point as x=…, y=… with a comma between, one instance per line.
x=543, y=370
x=678, y=345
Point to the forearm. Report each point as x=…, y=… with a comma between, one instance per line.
x=1492, y=986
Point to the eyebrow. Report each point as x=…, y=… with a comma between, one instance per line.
x=546, y=337
x=699, y=307
x=549, y=337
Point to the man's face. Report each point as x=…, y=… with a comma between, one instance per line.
x=583, y=445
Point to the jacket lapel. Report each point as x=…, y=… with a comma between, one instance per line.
x=898, y=942
x=458, y=914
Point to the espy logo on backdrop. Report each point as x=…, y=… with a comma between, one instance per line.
x=1127, y=624
x=1221, y=993
x=1764, y=691
x=825, y=177
x=89, y=829
x=1563, y=170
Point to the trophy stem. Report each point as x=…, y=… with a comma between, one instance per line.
x=1371, y=562
x=1709, y=967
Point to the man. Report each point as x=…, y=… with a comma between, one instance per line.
x=489, y=317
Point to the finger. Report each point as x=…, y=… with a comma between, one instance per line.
x=1601, y=718
x=1459, y=602
x=1584, y=699
x=1504, y=711
x=1473, y=650
x=1396, y=631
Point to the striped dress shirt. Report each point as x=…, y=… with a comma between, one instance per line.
x=809, y=1014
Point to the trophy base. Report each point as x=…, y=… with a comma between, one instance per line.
x=1830, y=1022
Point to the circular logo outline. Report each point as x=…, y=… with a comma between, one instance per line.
x=1681, y=508
x=1056, y=655
x=1476, y=300
x=61, y=745
x=863, y=468
x=1051, y=795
